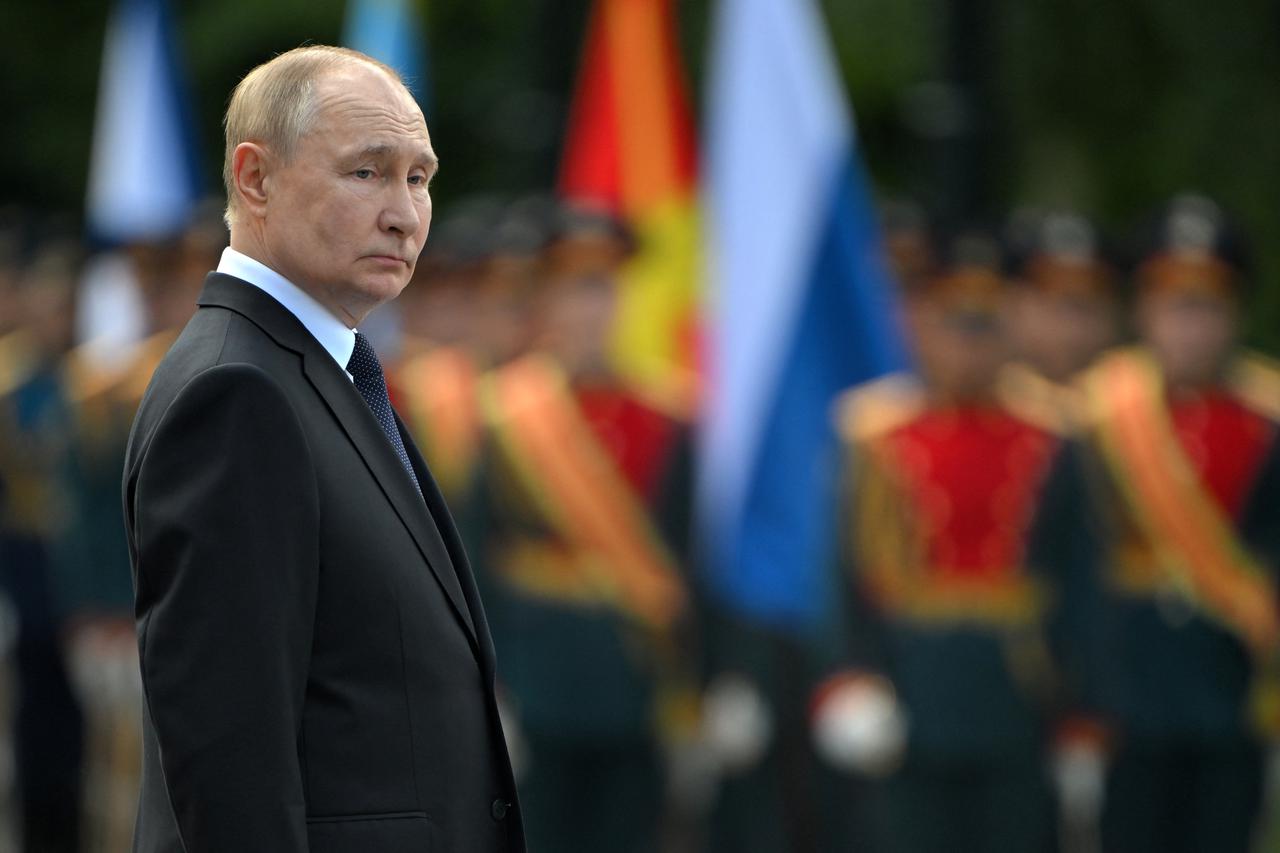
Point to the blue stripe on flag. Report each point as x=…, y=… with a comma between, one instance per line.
x=846, y=332
x=390, y=31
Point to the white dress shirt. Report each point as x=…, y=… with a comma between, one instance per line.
x=332, y=333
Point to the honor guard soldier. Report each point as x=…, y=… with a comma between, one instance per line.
x=1187, y=476
x=34, y=432
x=943, y=686
x=94, y=555
x=586, y=588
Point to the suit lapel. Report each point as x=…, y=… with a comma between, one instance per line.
x=359, y=424
x=439, y=511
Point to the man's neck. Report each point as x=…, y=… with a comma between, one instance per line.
x=251, y=245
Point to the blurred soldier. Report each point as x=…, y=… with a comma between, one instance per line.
x=34, y=431
x=945, y=686
x=1063, y=314
x=586, y=589
x=1188, y=476
x=94, y=557
x=467, y=311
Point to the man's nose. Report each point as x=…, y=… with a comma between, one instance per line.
x=399, y=212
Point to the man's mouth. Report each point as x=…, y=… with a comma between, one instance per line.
x=387, y=259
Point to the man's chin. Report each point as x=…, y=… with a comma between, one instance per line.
x=378, y=289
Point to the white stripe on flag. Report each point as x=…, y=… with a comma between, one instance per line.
x=778, y=131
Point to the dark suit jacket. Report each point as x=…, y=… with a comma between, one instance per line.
x=317, y=669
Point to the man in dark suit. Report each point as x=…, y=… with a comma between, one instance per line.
x=317, y=667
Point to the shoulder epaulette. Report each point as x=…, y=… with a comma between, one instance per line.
x=1054, y=407
x=676, y=396
x=869, y=411
x=16, y=360
x=1256, y=379
x=137, y=376
x=88, y=378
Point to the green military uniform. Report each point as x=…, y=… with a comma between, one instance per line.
x=776, y=797
x=583, y=596
x=1184, y=469
x=96, y=584
x=945, y=602
x=34, y=433
x=96, y=577
x=1178, y=677
x=956, y=585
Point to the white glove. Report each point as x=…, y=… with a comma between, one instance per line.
x=737, y=724
x=103, y=663
x=859, y=725
x=1079, y=774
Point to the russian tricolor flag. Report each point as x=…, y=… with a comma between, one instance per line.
x=143, y=176
x=800, y=305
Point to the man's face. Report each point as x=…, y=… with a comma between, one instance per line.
x=348, y=215
x=960, y=351
x=48, y=309
x=1191, y=334
x=504, y=295
x=580, y=304
x=1061, y=333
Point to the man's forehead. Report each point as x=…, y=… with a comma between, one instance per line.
x=368, y=97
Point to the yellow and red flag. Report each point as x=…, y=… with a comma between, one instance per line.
x=631, y=146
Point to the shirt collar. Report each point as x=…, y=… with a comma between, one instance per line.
x=337, y=340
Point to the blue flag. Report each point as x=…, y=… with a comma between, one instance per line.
x=801, y=305
x=143, y=176
x=390, y=32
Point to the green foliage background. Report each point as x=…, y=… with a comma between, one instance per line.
x=1106, y=106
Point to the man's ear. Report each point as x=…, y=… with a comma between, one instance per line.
x=249, y=167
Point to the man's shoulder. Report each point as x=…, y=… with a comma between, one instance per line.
x=218, y=336
x=215, y=342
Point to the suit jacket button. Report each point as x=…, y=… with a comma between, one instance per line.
x=499, y=809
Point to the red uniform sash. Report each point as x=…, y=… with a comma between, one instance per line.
x=1193, y=536
x=440, y=389
x=583, y=495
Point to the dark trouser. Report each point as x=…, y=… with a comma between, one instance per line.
x=48, y=735
x=592, y=797
x=1003, y=806
x=788, y=803
x=1171, y=797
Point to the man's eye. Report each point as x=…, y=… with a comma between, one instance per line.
x=363, y=173
x=418, y=180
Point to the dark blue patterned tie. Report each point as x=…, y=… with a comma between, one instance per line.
x=367, y=373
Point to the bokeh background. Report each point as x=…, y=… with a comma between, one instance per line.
x=970, y=108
